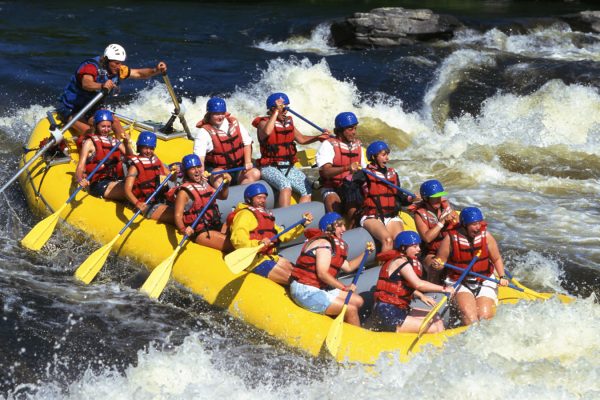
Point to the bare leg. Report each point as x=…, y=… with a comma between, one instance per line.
x=333, y=203
x=415, y=318
x=115, y=191
x=285, y=197
x=164, y=214
x=351, y=316
x=305, y=199
x=281, y=272
x=376, y=228
x=213, y=239
x=249, y=176
x=467, y=307
x=486, y=308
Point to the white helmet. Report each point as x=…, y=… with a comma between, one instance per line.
x=115, y=52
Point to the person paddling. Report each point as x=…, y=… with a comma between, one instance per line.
x=191, y=197
x=251, y=225
x=476, y=298
x=338, y=158
x=222, y=142
x=278, y=136
x=434, y=217
x=108, y=181
x=104, y=72
x=315, y=286
x=381, y=202
x=143, y=177
x=400, y=278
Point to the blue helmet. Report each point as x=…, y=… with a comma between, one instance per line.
x=432, y=188
x=276, y=96
x=216, y=105
x=406, y=238
x=103, y=115
x=376, y=148
x=470, y=215
x=254, y=190
x=190, y=161
x=345, y=119
x=147, y=139
x=326, y=222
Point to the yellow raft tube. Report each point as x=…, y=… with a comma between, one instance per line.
x=247, y=296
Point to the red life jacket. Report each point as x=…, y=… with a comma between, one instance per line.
x=305, y=271
x=148, y=177
x=200, y=194
x=344, y=154
x=113, y=167
x=431, y=220
x=394, y=289
x=380, y=198
x=228, y=147
x=279, y=146
x=265, y=227
x=463, y=251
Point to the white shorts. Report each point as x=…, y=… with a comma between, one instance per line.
x=312, y=298
x=386, y=220
x=487, y=289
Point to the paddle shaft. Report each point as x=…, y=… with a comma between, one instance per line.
x=176, y=104
x=226, y=171
x=317, y=127
x=358, y=273
x=100, y=164
x=406, y=192
x=292, y=226
x=487, y=278
x=152, y=196
x=208, y=204
x=52, y=140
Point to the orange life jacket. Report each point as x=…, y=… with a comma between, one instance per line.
x=265, y=227
x=379, y=197
x=200, y=194
x=394, y=289
x=280, y=146
x=113, y=167
x=463, y=250
x=148, y=177
x=305, y=270
x=228, y=147
x=431, y=220
x=344, y=154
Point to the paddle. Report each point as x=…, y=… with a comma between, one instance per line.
x=177, y=112
x=40, y=233
x=226, y=171
x=426, y=321
x=334, y=336
x=159, y=277
x=88, y=270
x=240, y=259
x=406, y=192
x=487, y=278
x=56, y=138
x=526, y=290
x=317, y=127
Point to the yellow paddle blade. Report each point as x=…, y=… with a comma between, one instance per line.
x=334, y=336
x=531, y=292
x=159, y=277
x=425, y=324
x=240, y=259
x=88, y=269
x=39, y=235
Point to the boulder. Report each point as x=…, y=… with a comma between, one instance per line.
x=392, y=26
x=584, y=21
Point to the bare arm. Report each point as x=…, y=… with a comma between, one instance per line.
x=323, y=256
x=145, y=73
x=86, y=148
x=266, y=128
x=129, y=181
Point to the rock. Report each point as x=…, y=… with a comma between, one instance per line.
x=392, y=26
x=584, y=21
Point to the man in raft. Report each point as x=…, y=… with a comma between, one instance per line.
x=107, y=182
x=338, y=158
x=315, y=286
x=476, y=298
x=251, y=225
x=93, y=75
x=222, y=142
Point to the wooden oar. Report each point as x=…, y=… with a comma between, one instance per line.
x=240, y=259
x=40, y=233
x=56, y=138
x=487, y=278
x=406, y=192
x=426, y=321
x=88, y=269
x=317, y=127
x=526, y=290
x=334, y=336
x=159, y=277
x=178, y=112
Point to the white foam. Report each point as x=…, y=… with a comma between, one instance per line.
x=317, y=43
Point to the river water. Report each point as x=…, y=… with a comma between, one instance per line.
x=509, y=120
